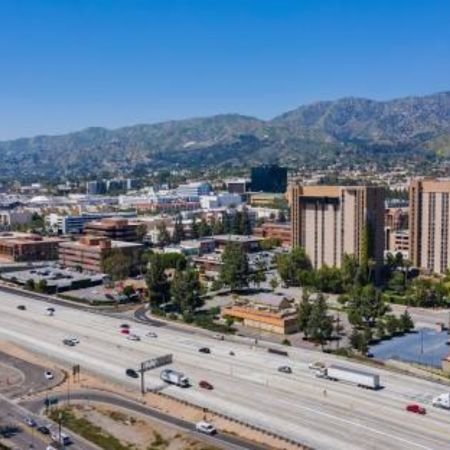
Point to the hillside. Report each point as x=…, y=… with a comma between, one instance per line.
x=317, y=134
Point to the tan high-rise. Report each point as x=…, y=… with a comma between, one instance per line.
x=331, y=221
x=429, y=203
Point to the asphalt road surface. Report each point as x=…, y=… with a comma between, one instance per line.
x=225, y=441
x=320, y=413
x=23, y=437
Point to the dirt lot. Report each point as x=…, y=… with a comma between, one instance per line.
x=137, y=432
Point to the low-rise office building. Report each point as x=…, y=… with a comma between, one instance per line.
x=266, y=312
x=27, y=247
x=90, y=252
x=113, y=228
x=280, y=231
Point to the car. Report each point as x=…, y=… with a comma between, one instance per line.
x=205, y=385
x=22, y=307
x=50, y=447
x=284, y=369
x=133, y=337
x=125, y=331
x=415, y=408
x=43, y=429
x=220, y=337
x=74, y=339
x=205, y=427
x=50, y=311
x=132, y=373
x=30, y=422
x=204, y=350
x=316, y=365
x=68, y=342
x=49, y=375
x=151, y=334
x=124, y=325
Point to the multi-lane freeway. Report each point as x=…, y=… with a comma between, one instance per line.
x=248, y=386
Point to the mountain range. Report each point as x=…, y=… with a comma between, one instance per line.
x=348, y=130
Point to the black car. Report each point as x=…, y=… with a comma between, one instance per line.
x=43, y=429
x=69, y=342
x=22, y=307
x=132, y=373
x=204, y=350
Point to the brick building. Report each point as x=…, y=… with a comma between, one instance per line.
x=27, y=247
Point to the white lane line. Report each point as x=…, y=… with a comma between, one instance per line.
x=365, y=427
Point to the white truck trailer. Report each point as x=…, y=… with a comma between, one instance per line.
x=360, y=378
x=442, y=401
x=174, y=377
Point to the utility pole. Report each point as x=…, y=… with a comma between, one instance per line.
x=142, y=379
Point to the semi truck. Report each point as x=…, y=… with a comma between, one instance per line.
x=174, y=377
x=362, y=379
x=442, y=401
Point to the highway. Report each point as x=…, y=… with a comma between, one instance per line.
x=247, y=385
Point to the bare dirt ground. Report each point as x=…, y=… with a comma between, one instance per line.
x=136, y=431
x=165, y=404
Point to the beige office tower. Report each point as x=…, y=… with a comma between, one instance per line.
x=331, y=221
x=429, y=201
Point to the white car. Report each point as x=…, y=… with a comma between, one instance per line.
x=49, y=375
x=316, y=365
x=74, y=339
x=133, y=337
x=151, y=334
x=205, y=427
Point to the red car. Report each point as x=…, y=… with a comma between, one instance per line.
x=125, y=330
x=417, y=409
x=205, y=385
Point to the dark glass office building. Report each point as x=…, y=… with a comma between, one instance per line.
x=269, y=179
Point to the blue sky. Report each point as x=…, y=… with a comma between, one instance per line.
x=69, y=64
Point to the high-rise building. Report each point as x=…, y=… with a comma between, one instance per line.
x=429, y=224
x=331, y=221
x=269, y=179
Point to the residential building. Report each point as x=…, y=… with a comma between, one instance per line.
x=331, y=221
x=27, y=247
x=270, y=178
x=90, y=252
x=398, y=241
x=429, y=224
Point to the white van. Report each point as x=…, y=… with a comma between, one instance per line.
x=50, y=311
x=63, y=438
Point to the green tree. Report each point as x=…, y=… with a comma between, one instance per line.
x=185, y=290
x=236, y=227
x=274, y=283
x=290, y=265
x=245, y=225
x=392, y=324
x=204, y=229
x=163, y=234
x=380, y=329
x=320, y=324
x=117, y=265
x=304, y=313
x=41, y=286
x=217, y=227
x=359, y=341
x=178, y=230
x=141, y=231
x=235, y=271
x=258, y=276
x=195, y=228
x=30, y=285
x=406, y=322
x=367, y=304
x=157, y=284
